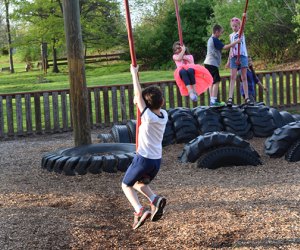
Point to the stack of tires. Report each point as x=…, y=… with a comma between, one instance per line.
x=120, y=133
x=236, y=122
x=184, y=124
x=262, y=123
x=219, y=149
x=169, y=134
x=208, y=119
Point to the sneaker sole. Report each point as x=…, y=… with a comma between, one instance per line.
x=141, y=222
x=158, y=213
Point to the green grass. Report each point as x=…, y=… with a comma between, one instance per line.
x=98, y=74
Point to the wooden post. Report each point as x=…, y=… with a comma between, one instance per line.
x=78, y=88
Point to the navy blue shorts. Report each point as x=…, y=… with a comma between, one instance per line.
x=214, y=71
x=139, y=168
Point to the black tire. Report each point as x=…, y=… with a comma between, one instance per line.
x=262, y=131
x=293, y=153
x=69, y=167
x=59, y=164
x=169, y=135
x=120, y=133
x=185, y=126
x=82, y=165
x=105, y=138
x=278, y=120
x=110, y=164
x=256, y=110
x=240, y=132
x=173, y=111
x=209, y=120
x=51, y=162
x=262, y=120
x=238, y=125
x=281, y=140
x=131, y=125
x=93, y=158
x=123, y=162
x=287, y=117
x=46, y=157
x=228, y=156
x=95, y=166
x=296, y=117
x=203, y=143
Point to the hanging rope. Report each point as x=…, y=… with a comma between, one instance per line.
x=241, y=31
x=133, y=62
x=178, y=22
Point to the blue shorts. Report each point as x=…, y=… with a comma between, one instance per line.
x=243, y=62
x=139, y=168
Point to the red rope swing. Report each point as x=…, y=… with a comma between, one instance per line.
x=178, y=22
x=241, y=31
x=133, y=62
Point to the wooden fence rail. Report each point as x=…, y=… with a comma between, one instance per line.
x=90, y=59
x=29, y=113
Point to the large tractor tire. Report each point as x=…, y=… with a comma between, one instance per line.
x=93, y=158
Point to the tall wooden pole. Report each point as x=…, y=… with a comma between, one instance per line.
x=78, y=88
x=133, y=62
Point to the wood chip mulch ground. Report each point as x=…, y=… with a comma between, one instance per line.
x=242, y=207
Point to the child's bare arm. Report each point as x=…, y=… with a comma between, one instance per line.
x=138, y=97
x=179, y=57
x=262, y=86
x=230, y=45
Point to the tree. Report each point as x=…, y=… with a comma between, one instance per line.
x=3, y=37
x=102, y=25
x=43, y=24
x=8, y=32
x=296, y=20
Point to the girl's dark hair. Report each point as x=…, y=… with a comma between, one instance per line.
x=153, y=97
x=176, y=44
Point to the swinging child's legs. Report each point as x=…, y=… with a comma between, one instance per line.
x=157, y=203
x=188, y=77
x=139, y=169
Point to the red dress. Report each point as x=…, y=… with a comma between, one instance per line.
x=202, y=76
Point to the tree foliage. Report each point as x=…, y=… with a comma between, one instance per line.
x=3, y=36
x=296, y=21
x=42, y=21
x=158, y=31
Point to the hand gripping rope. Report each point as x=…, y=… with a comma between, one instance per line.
x=133, y=61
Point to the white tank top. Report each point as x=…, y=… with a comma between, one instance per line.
x=234, y=50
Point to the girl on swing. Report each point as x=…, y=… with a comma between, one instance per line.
x=192, y=79
x=233, y=62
